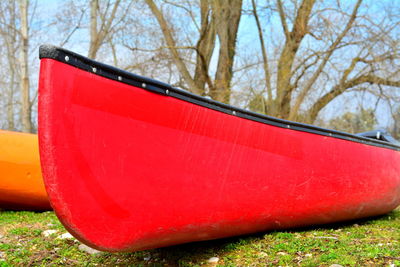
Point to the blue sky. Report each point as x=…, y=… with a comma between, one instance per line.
x=248, y=43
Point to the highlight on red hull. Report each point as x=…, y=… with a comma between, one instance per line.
x=130, y=163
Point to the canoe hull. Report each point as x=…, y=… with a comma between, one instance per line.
x=21, y=182
x=128, y=169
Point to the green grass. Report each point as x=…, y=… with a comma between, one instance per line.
x=373, y=242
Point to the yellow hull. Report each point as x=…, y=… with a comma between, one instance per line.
x=21, y=183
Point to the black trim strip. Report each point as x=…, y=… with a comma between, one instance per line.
x=84, y=63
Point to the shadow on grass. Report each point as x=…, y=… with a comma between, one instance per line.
x=199, y=252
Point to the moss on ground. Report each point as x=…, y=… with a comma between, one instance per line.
x=373, y=242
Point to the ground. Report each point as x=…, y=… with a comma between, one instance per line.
x=371, y=242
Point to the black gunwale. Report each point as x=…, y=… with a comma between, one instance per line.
x=110, y=72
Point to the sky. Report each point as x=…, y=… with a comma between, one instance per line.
x=248, y=40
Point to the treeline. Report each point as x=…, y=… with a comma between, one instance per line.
x=311, y=61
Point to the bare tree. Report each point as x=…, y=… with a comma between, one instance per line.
x=219, y=19
x=9, y=37
x=14, y=29
x=326, y=51
x=16, y=35
x=226, y=18
x=25, y=100
x=102, y=22
x=293, y=38
x=321, y=51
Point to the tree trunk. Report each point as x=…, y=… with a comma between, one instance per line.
x=267, y=75
x=10, y=102
x=94, y=36
x=167, y=33
x=205, y=47
x=224, y=23
x=10, y=38
x=227, y=17
x=98, y=34
x=300, y=98
x=25, y=102
x=288, y=55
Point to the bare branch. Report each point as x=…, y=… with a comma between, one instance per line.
x=69, y=35
x=98, y=36
x=283, y=19
x=341, y=88
x=311, y=81
x=287, y=57
x=263, y=52
x=172, y=46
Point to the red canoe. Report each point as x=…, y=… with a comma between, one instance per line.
x=131, y=163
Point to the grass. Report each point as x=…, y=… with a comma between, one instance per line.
x=373, y=242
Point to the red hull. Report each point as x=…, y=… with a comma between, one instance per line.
x=128, y=169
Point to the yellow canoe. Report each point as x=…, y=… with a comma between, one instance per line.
x=21, y=183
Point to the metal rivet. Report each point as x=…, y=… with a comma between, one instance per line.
x=94, y=69
x=288, y=126
x=234, y=112
x=167, y=91
x=67, y=58
x=330, y=134
x=119, y=78
x=143, y=85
